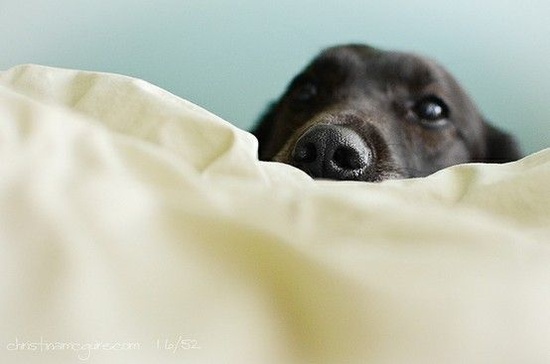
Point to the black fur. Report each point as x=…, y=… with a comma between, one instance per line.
x=411, y=115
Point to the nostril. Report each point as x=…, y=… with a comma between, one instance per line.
x=305, y=153
x=333, y=152
x=347, y=158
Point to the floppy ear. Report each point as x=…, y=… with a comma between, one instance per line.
x=501, y=147
x=263, y=130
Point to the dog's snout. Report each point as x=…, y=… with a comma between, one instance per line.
x=332, y=151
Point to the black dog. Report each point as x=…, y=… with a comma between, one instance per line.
x=358, y=113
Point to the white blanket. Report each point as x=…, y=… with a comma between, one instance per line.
x=136, y=227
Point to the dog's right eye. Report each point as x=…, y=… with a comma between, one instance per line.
x=305, y=92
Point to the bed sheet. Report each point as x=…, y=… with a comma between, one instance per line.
x=138, y=227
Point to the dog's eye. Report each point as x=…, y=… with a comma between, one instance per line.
x=431, y=110
x=305, y=92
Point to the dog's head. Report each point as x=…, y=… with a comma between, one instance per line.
x=359, y=113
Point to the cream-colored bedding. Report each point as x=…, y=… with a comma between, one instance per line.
x=136, y=227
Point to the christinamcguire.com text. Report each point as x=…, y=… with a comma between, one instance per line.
x=83, y=350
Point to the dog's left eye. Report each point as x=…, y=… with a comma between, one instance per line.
x=431, y=110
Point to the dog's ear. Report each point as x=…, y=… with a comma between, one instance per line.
x=501, y=147
x=263, y=130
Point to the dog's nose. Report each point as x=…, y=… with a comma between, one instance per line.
x=332, y=151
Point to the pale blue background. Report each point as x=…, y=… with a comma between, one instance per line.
x=233, y=57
